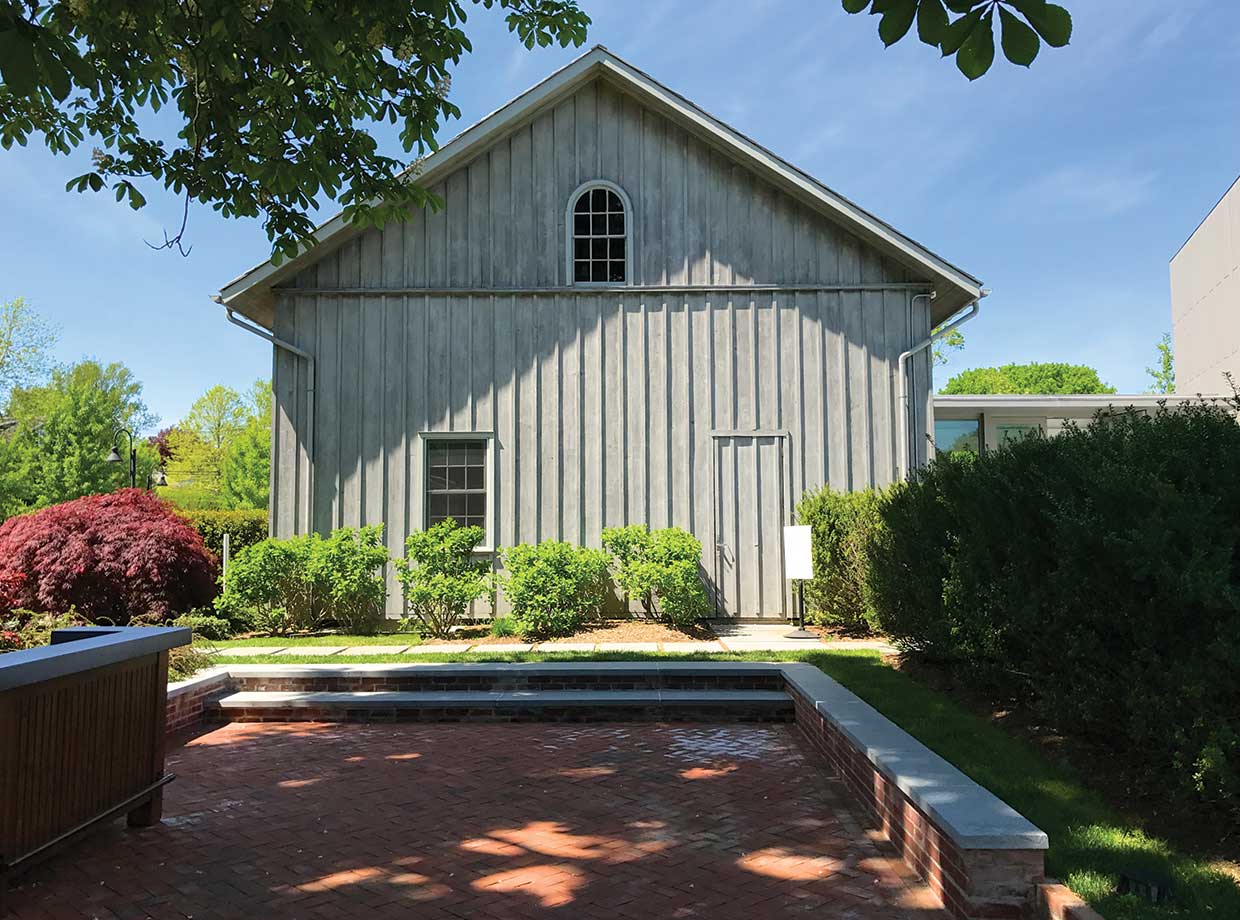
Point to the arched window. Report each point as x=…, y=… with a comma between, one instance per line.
x=598, y=241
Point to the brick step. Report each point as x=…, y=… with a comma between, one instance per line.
x=664, y=705
x=503, y=678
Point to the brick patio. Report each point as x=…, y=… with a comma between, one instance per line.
x=488, y=821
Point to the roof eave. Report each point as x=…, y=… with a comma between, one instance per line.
x=250, y=292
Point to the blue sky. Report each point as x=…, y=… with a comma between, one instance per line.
x=1066, y=188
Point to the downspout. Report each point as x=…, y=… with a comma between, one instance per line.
x=906, y=452
x=310, y=375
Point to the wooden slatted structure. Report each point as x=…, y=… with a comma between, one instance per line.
x=81, y=737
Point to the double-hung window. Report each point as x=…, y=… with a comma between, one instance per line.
x=456, y=481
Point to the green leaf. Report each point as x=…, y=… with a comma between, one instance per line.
x=82, y=72
x=956, y=34
x=54, y=75
x=1051, y=21
x=978, y=52
x=931, y=21
x=17, y=66
x=854, y=6
x=1020, y=43
x=896, y=22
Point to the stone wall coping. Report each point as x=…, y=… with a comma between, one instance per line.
x=969, y=814
x=363, y=699
x=84, y=648
x=203, y=680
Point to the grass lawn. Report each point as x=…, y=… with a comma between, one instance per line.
x=1091, y=844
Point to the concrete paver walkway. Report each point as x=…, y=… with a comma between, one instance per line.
x=488, y=821
x=727, y=644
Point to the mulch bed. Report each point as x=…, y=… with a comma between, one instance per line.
x=607, y=631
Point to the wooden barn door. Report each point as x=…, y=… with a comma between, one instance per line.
x=751, y=508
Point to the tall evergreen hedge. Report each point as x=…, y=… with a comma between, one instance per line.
x=841, y=526
x=245, y=528
x=1095, y=574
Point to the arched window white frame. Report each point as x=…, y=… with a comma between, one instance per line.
x=599, y=235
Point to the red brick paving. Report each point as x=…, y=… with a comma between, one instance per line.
x=489, y=822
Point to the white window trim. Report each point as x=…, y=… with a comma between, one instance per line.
x=488, y=542
x=993, y=423
x=569, y=271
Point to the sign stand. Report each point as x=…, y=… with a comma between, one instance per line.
x=799, y=566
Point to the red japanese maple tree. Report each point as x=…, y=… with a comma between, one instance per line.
x=113, y=557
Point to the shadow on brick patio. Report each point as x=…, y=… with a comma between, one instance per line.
x=480, y=821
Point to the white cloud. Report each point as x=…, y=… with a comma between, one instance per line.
x=34, y=184
x=1095, y=191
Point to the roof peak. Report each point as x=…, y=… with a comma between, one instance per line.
x=955, y=287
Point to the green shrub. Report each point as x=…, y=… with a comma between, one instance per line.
x=660, y=569
x=503, y=627
x=245, y=528
x=22, y=629
x=206, y=626
x=1096, y=575
x=187, y=660
x=312, y=580
x=553, y=587
x=440, y=576
x=842, y=524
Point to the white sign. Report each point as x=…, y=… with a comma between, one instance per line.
x=798, y=553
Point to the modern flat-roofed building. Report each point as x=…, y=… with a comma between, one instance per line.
x=1205, y=301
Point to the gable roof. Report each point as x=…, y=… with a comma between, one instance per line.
x=250, y=293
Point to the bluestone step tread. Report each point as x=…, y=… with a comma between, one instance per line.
x=372, y=699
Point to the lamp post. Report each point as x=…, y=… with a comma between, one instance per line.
x=115, y=456
x=154, y=478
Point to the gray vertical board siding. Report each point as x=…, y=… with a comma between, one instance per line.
x=700, y=216
x=604, y=408
x=604, y=404
x=394, y=511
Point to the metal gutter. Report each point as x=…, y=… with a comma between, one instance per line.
x=905, y=453
x=310, y=385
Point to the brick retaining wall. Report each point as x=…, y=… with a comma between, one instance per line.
x=187, y=699
x=974, y=884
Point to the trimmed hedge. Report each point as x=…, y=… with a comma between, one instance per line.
x=1096, y=575
x=659, y=568
x=245, y=528
x=217, y=629
x=307, y=581
x=842, y=525
x=440, y=577
x=553, y=587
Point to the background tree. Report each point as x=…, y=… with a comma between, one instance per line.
x=26, y=342
x=942, y=349
x=270, y=100
x=1038, y=378
x=64, y=431
x=1163, y=375
x=246, y=470
x=159, y=441
x=199, y=441
x=970, y=36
